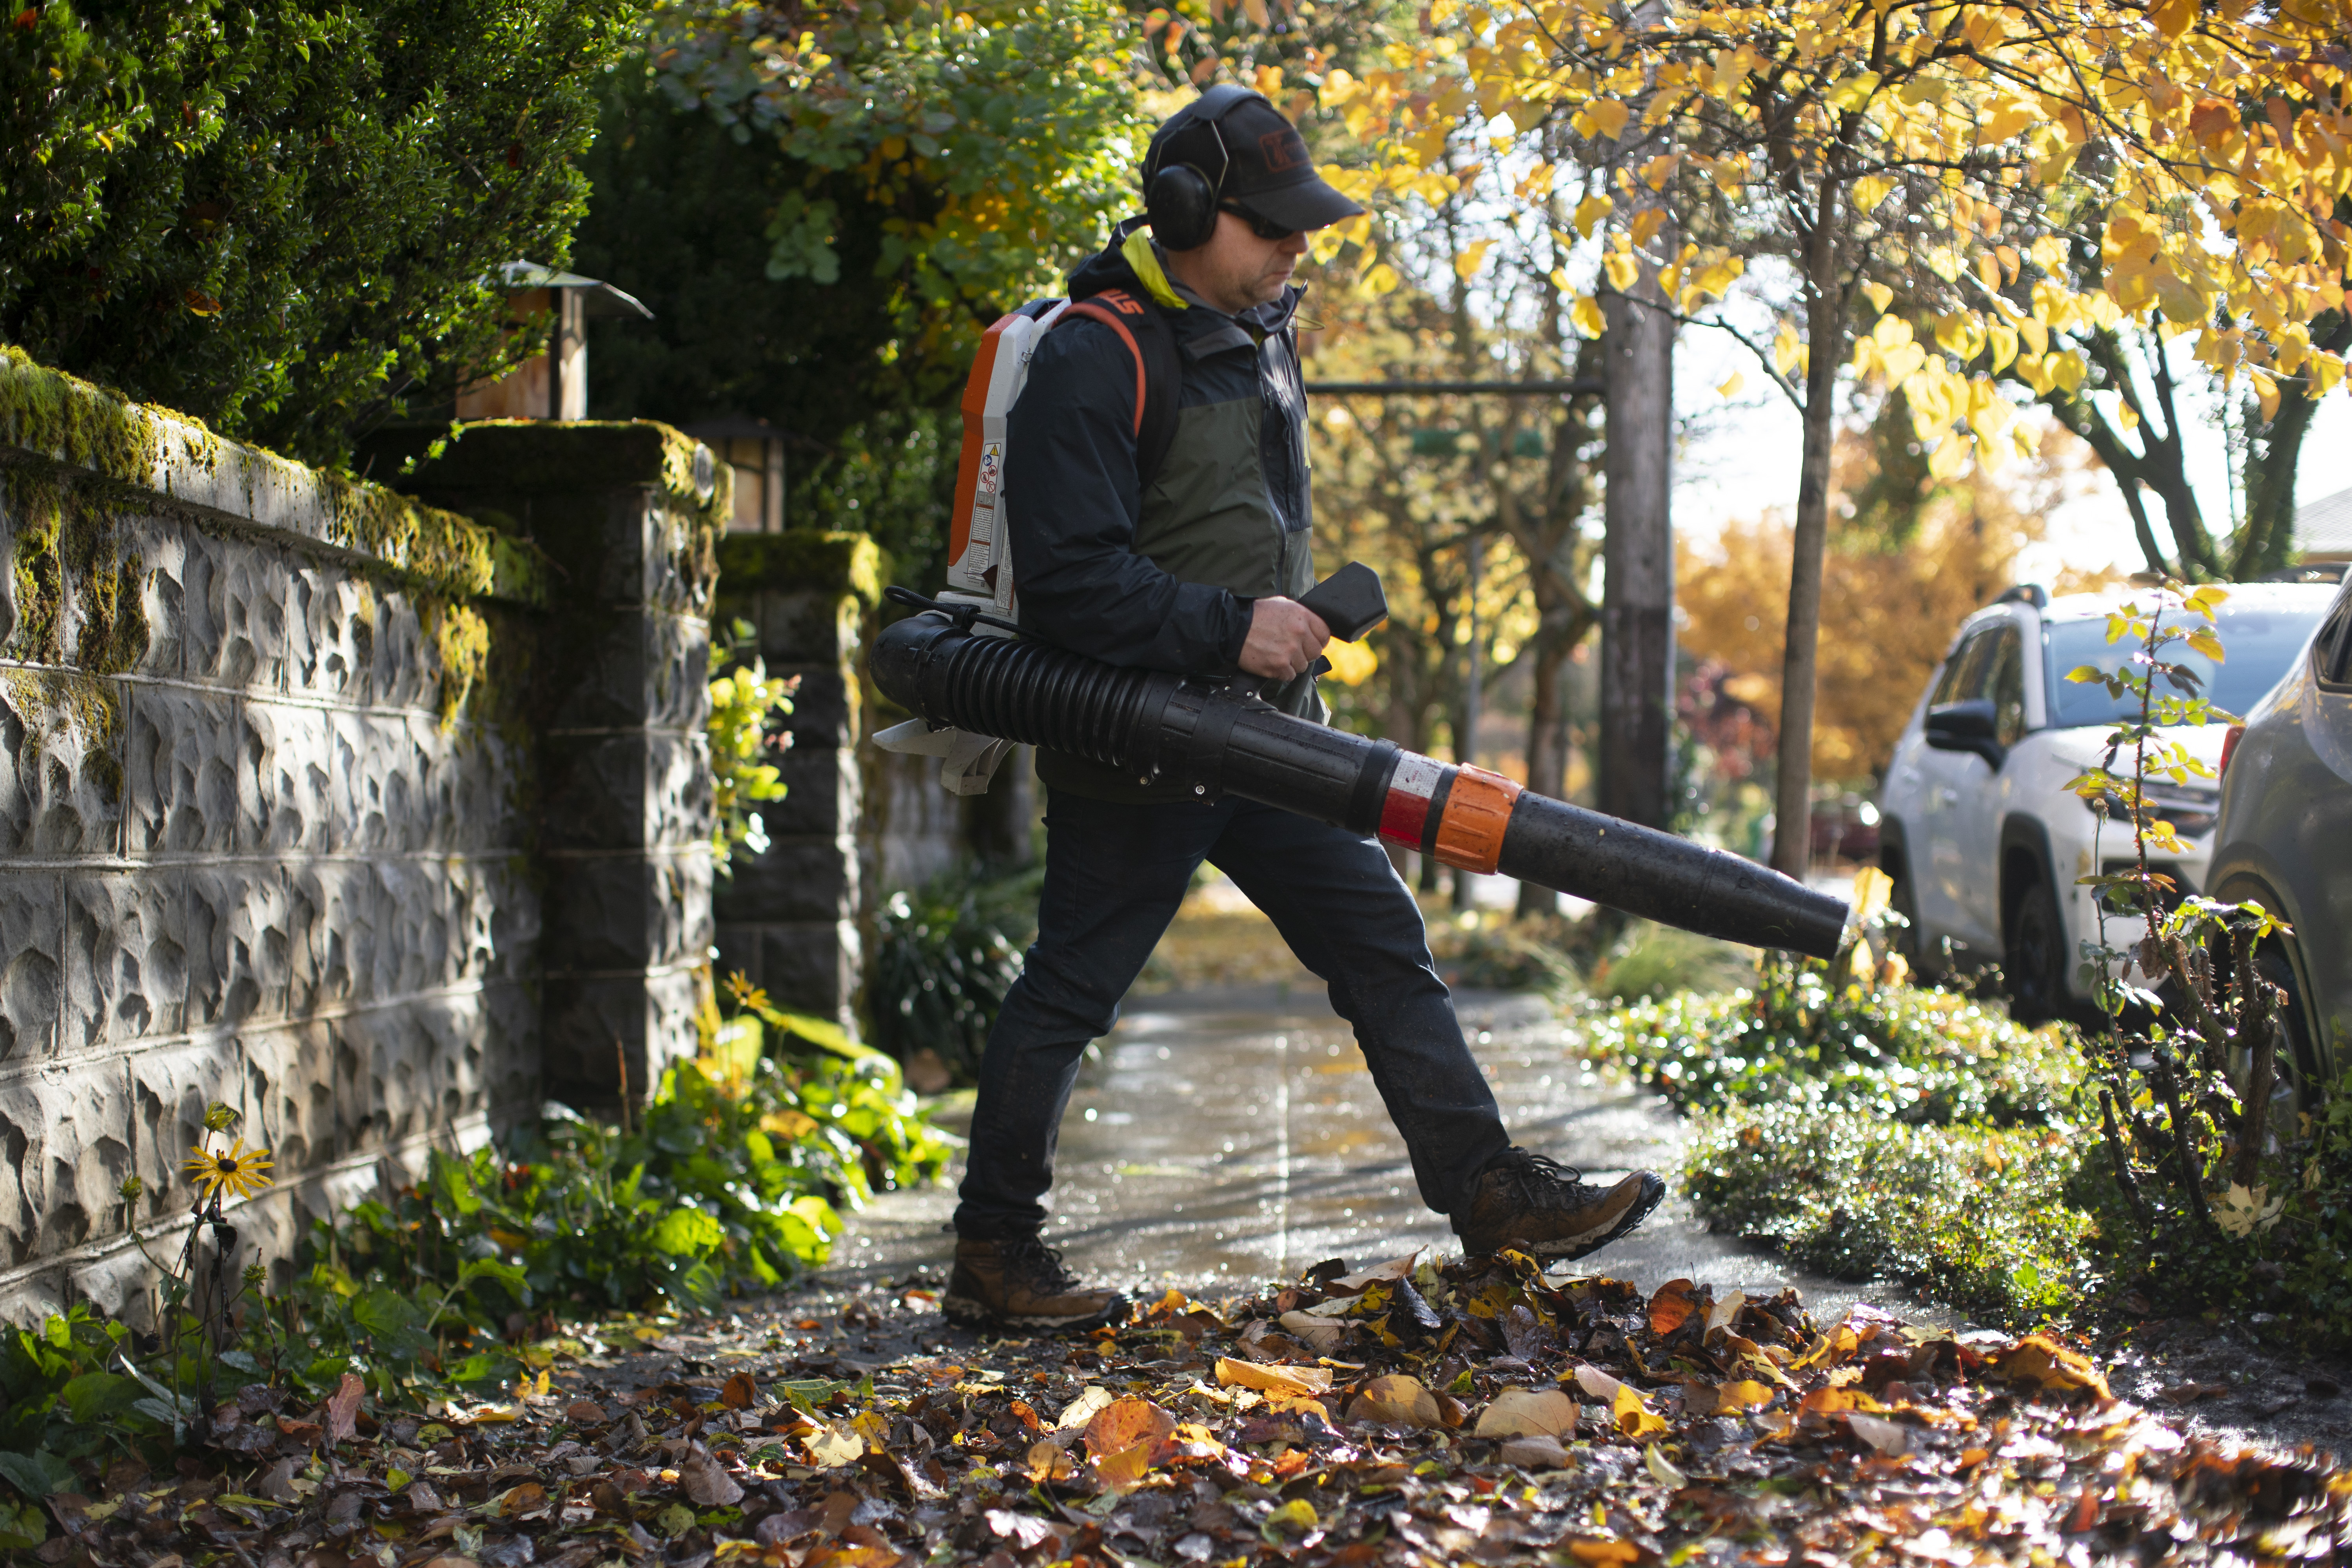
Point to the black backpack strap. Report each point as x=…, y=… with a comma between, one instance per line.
x=1159, y=370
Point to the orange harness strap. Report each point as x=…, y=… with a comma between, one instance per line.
x=1094, y=309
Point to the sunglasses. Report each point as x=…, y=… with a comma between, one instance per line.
x=1264, y=228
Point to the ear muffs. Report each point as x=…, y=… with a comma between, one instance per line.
x=1180, y=199
x=1182, y=207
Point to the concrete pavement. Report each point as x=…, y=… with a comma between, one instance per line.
x=1220, y=1138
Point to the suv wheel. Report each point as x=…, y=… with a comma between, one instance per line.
x=2033, y=957
x=1903, y=899
x=2301, y=1086
x=2302, y=1076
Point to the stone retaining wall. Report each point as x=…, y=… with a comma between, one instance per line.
x=369, y=819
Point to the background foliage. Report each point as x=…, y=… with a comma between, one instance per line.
x=283, y=217
x=728, y=1183
x=945, y=955
x=1910, y=557
x=825, y=205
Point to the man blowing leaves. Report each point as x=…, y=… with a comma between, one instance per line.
x=1182, y=544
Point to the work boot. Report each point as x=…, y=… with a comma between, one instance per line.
x=1018, y=1282
x=1548, y=1211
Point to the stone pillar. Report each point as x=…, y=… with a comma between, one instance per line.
x=629, y=515
x=788, y=919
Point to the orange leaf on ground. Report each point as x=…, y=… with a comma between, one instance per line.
x=2046, y=1364
x=1047, y=1462
x=1745, y=1395
x=1634, y=1415
x=516, y=1501
x=1534, y=1453
x=1125, y=1423
x=741, y=1393
x=1596, y=1382
x=340, y=1415
x=1671, y=1308
x=1524, y=1412
x=1126, y=1468
x=1835, y=1398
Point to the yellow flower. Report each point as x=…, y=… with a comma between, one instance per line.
x=242, y=1172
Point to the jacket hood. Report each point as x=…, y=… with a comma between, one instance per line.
x=1131, y=261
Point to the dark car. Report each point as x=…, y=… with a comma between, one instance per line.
x=2285, y=838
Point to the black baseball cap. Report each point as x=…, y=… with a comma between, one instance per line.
x=1253, y=156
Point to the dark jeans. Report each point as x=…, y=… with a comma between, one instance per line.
x=1114, y=875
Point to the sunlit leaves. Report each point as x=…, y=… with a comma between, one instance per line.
x=1964, y=121
x=998, y=137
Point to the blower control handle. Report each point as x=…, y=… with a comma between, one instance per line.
x=1349, y=601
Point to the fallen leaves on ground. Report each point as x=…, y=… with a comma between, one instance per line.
x=1470, y=1410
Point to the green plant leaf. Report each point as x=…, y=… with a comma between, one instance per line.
x=21, y=1525
x=96, y=1395
x=38, y=1474
x=686, y=1233
x=453, y=1183
x=384, y=1312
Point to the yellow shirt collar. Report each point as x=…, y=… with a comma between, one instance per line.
x=1144, y=257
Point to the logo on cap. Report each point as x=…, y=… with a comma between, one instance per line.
x=1283, y=149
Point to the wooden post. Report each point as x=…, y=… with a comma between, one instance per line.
x=1637, y=608
x=1637, y=631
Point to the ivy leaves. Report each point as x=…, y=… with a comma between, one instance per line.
x=991, y=143
x=282, y=217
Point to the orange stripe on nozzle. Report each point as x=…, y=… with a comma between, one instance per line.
x=1477, y=811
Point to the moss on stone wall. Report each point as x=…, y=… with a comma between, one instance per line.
x=804, y=558
x=450, y=553
x=461, y=640
x=527, y=458
x=71, y=564
x=55, y=705
x=98, y=457
x=73, y=423
x=67, y=419
x=36, y=505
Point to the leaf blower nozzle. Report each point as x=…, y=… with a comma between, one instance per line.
x=1220, y=738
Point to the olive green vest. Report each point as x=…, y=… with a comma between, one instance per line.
x=1207, y=519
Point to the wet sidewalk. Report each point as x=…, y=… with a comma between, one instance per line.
x=1220, y=1139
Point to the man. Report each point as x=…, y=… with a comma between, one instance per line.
x=1198, y=570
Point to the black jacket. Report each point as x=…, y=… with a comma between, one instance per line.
x=1075, y=501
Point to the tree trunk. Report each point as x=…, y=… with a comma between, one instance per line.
x=1637, y=631
x=2273, y=456
x=1825, y=314
x=1547, y=754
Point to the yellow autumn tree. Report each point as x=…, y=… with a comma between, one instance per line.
x=1923, y=143
x=1909, y=557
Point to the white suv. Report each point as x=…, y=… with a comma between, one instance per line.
x=1985, y=845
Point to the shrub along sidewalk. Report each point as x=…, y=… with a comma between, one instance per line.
x=1877, y=1129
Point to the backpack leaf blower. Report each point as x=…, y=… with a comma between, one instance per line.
x=1218, y=737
